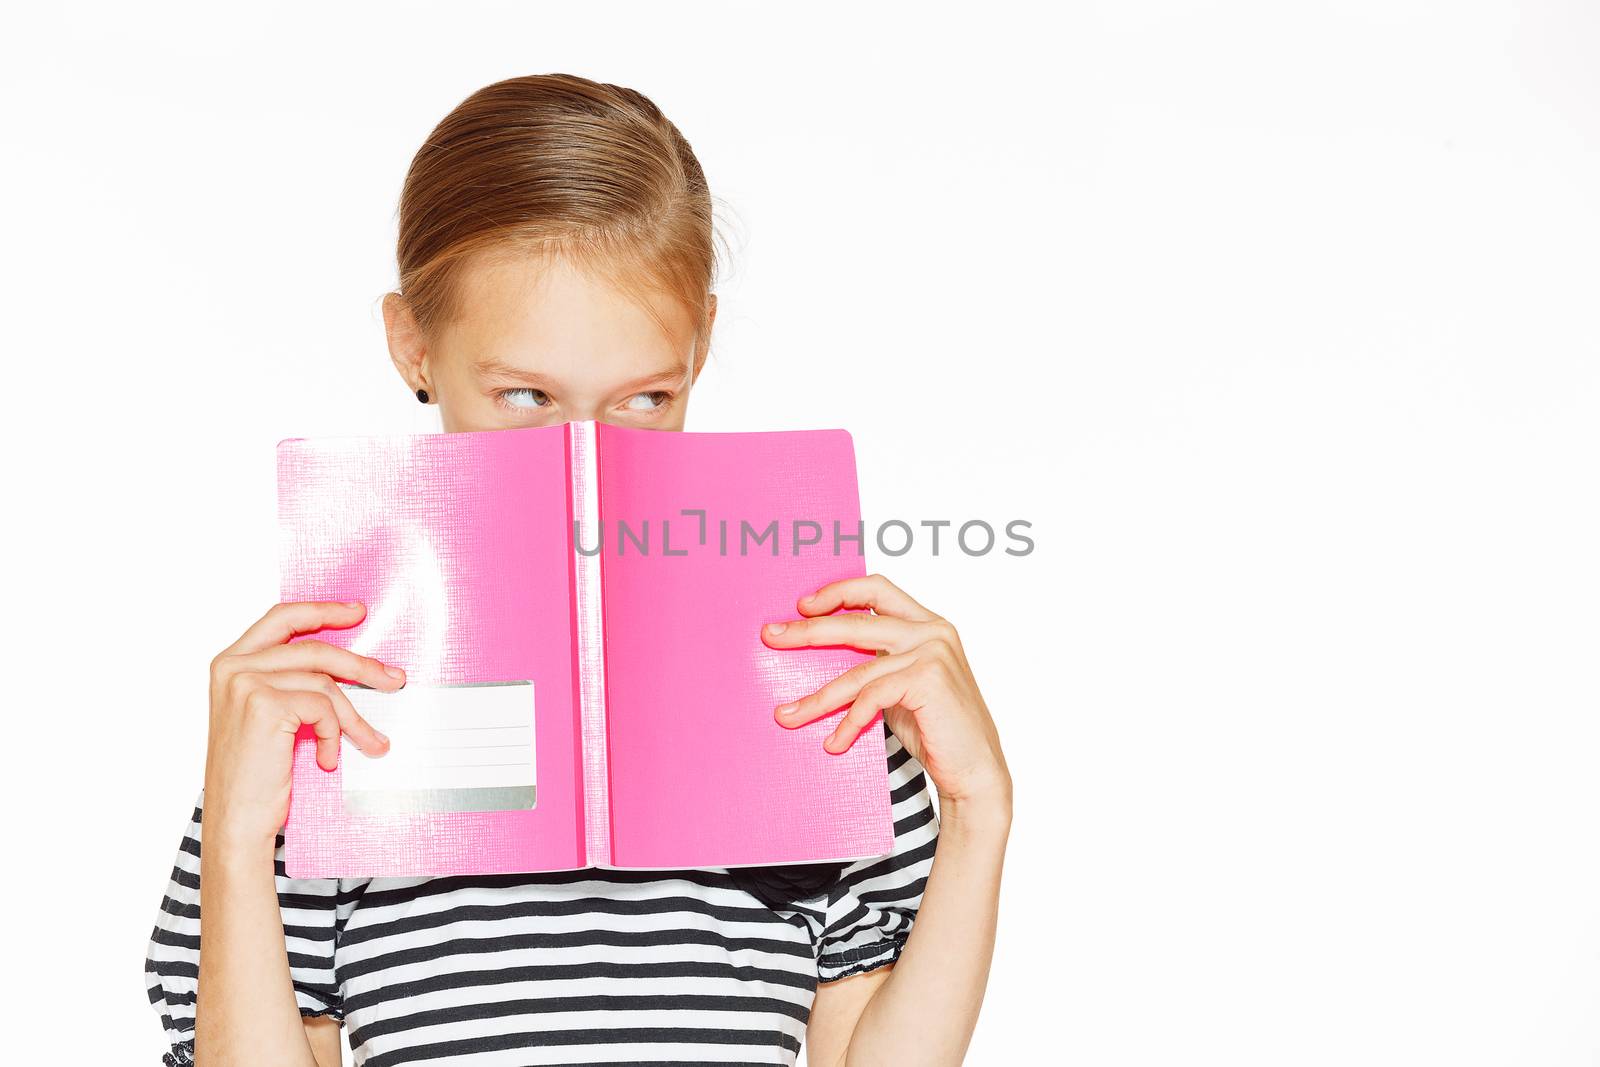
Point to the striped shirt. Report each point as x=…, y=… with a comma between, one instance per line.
x=573, y=967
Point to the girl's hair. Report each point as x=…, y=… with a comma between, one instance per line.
x=557, y=165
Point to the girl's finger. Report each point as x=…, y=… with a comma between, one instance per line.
x=873, y=591
x=855, y=629
x=362, y=732
x=837, y=693
x=283, y=621
x=901, y=687
x=316, y=709
x=327, y=659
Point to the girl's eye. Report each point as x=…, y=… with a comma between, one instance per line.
x=648, y=401
x=524, y=398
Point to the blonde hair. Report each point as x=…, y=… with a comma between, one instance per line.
x=558, y=165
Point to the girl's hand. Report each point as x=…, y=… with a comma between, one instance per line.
x=262, y=689
x=920, y=681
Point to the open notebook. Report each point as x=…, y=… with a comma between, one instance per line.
x=578, y=611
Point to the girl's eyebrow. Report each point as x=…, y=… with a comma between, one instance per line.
x=666, y=377
x=492, y=367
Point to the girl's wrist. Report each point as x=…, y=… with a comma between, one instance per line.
x=986, y=805
x=237, y=837
x=239, y=849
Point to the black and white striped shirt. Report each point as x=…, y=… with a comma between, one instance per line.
x=575, y=967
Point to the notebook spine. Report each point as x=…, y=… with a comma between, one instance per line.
x=589, y=639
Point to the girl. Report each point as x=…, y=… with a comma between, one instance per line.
x=556, y=263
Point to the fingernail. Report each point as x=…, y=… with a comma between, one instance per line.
x=381, y=736
x=352, y=603
x=395, y=672
x=785, y=709
x=832, y=740
x=777, y=627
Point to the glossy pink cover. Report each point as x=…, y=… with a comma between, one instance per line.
x=459, y=546
x=701, y=773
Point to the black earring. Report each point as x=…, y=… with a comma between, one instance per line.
x=422, y=395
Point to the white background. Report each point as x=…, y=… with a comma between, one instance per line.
x=1277, y=320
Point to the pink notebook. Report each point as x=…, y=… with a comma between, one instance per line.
x=578, y=611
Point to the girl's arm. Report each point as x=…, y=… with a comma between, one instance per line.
x=246, y=1011
x=264, y=687
x=924, y=1008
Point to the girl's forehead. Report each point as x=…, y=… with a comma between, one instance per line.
x=528, y=316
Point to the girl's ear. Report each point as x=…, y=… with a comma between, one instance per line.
x=406, y=345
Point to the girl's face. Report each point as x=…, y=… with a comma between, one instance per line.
x=540, y=342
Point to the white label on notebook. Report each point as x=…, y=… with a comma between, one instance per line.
x=462, y=747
